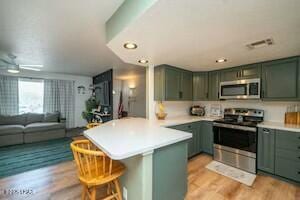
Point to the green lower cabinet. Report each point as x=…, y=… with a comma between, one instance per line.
x=206, y=137
x=193, y=143
x=202, y=140
x=266, y=150
x=287, y=168
x=287, y=160
x=170, y=172
x=279, y=153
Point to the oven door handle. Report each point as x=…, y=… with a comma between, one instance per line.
x=237, y=127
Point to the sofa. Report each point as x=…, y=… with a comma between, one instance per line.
x=31, y=127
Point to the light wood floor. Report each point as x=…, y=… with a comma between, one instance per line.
x=60, y=182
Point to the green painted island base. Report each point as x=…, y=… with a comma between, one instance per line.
x=158, y=175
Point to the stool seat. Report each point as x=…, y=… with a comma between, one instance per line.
x=95, y=169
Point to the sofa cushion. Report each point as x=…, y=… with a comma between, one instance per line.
x=11, y=129
x=34, y=118
x=43, y=127
x=13, y=119
x=51, y=117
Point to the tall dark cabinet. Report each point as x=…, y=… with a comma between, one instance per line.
x=103, y=90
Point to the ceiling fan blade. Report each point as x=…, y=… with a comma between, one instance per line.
x=38, y=66
x=30, y=68
x=6, y=62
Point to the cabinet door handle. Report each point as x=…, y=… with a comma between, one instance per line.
x=237, y=74
x=207, y=95
x=180, y=94
x=266, y=131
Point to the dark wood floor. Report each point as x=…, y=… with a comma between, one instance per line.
x=60, y=182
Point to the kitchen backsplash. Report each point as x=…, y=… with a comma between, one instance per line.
x=274, y=111
x=177, y=108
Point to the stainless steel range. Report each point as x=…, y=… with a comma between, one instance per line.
x=235, y=138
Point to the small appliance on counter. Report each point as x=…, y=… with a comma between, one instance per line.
x=197, y=110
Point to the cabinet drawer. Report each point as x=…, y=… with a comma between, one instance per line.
x=287, y=168
x=288, y=154
x=288, y=140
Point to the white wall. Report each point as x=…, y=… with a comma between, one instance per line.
x=124, y=80
x=79, y=80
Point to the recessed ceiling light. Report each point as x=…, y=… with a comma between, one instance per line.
x=221, y=60
x=14, y=71
x=130, y=45
x=143, y=61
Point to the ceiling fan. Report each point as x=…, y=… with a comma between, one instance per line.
x=11, y=66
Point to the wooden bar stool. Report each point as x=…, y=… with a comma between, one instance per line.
x=92, y=125
x=96, y=169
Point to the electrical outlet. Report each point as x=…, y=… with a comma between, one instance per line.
x=124, y=193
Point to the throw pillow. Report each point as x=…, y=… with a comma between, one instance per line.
x=51, y=117
x=34, y=118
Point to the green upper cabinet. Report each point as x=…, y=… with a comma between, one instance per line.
x=280, y=79
x=186, y=91
x=231, y=74
x=200, y=86
x=250, y=71
x=172, y=84
x=242, y=72
x=213, y=85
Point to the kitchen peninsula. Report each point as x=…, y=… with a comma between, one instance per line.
x=155, y=157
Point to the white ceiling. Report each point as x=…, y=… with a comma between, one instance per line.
x=192, y=34
x=65, y=36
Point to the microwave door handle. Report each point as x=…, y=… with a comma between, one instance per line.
x=248, y=89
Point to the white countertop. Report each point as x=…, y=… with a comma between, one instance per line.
x=173, y=121
x=280, y=126
x=124, y=138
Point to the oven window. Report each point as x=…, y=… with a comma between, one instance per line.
x=238, y=139
x=234, y=90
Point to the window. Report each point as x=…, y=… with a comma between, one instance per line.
x=31, y=95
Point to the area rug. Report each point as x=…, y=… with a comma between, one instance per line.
x=20, y=158
x=231, y=172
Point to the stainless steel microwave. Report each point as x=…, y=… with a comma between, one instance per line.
x=241, y=89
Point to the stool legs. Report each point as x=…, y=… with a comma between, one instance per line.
x=84, y=192
x=117, y=185
x=93, y=193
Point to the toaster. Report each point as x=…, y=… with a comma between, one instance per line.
x=197, y=110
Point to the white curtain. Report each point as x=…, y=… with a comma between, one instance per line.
x=9, y=95
x=59, y=96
